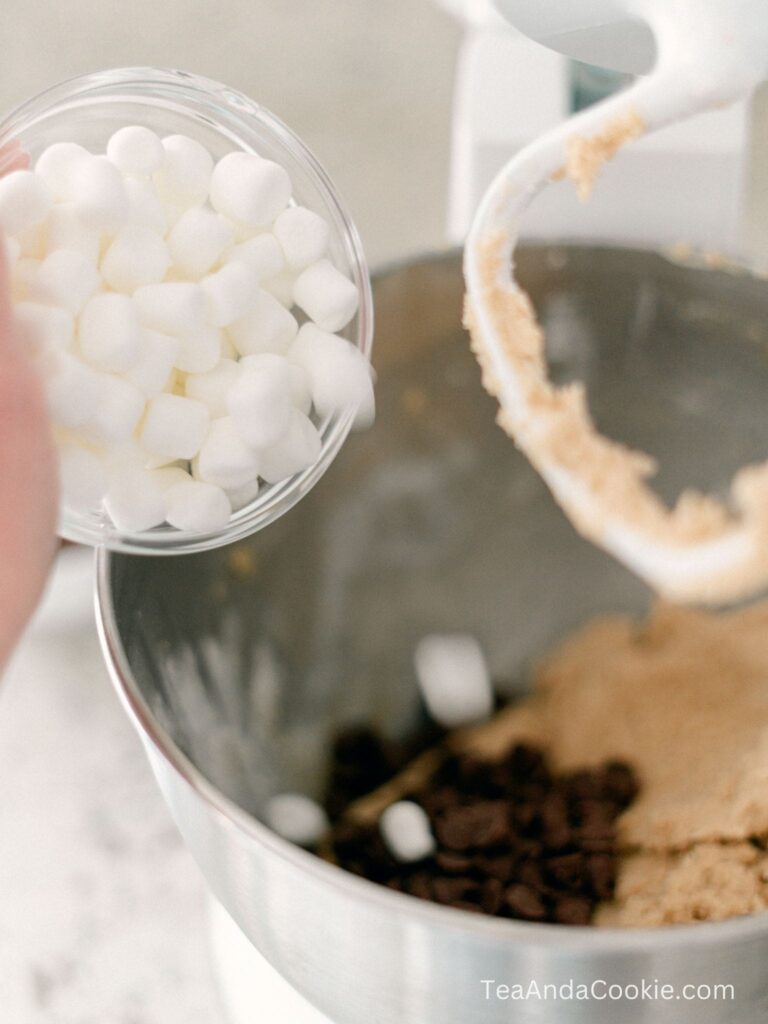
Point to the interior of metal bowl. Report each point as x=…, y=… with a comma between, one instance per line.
x=251, y=658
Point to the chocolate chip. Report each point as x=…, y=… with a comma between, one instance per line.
x=475, y=826
x=455, y=890
x=601, y=868
x=568, y=871
x=525, y=902
x=492, y=895
x=453, y=863
x=573, y=910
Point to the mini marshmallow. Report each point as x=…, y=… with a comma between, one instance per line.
x=301, y=395
x=24, y=277
x=225, y=459
x=297, y=818
x=57, y=166
x=212, y=387
x=66, y=231
x=157, y=355
x=303, y=235
x=297, y=450
x=260, y=400
x=134, y=501
x=198, y=239
x=200, y=351
x=339, y=374
x=326, y=296
x=249, y=189
x=82, y=478
x=33, y=241
x=144, y=206
x=407, y=832
x=184, y=178
x=25, y=201
x=44, y=328
x=65, y=278
x=136, y=151
x=239, y=497
x=281, y=286
x=98, y=194
x=138, y=256
x=262, y=253
x=269, y=327
x=109, y=332
x=173, y=307
x=12, y=251
x=454, y=679
x=197, y=506
x=118, y=410
x=72, y=389
x=231, y=293
x=174, y=427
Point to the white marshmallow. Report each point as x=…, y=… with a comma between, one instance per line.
x=260, y=401
x=134, y=501
x=138, y=256
x=454, y=679
x=57, y=166
x=281, y=286
x=174, y=427
x=269, y=327
x=297, y=450
x=24, y=277
x=73, y=390
x=197, y=507
x=82, y=478
x=262, y=253
x=199, y=352
x=231, y=293
x=339, y=374
x=198, y=239
x=225, y=459
x=12, y=251
x=25, y=201
x=297, y=818
x=44, y=328
x=326, y=296
x=65, y=278
x=157, y=355
x=173, y=307
x=33, y=241
x=239, y=497
x=109, y=332
x=144, y=206
x=212, y=387
x=303, y=234
x=136, y=151
x=119, y=408
x=67, y=231
x=407, y=832
x=185, y=176
x=98, y=194
x=301, y=394
x=249, y=189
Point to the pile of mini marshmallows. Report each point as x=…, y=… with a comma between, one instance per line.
x=157, y=290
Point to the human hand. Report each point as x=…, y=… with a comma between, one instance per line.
x=28, y=480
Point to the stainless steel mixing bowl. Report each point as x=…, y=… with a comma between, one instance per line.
x=238, y=665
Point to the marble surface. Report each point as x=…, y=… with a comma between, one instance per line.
x=103, y=911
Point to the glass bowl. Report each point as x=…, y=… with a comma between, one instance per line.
x=87, y=110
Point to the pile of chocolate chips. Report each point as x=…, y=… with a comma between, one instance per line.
x=513, y=839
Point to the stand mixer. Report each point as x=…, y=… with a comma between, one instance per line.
x=237, y=684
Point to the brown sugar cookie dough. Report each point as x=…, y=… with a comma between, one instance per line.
x=681, y=702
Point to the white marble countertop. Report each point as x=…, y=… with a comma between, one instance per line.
x=103, y=909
